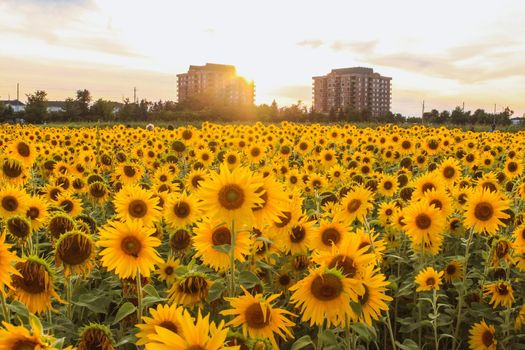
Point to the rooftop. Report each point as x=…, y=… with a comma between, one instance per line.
x=12, y=102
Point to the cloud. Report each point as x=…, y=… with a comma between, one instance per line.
x=312, y=43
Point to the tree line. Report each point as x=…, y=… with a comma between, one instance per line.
x=204, y=108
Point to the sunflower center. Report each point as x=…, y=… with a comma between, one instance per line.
x=196, y=347
x=406, y=144
x=451, y=269
x=169, y=325
x=33, y=277
x=12, y=169
x=255, y=152
x=284, y=280
x=231, y=159
x=330, y=235
x=387, y=185
x=9, y=203
x=181, y=210
x=193, y=285
x=24, y=345
x=326, y=287
x=131, y=246
x=60, y=225
x=502, y=289
x=231, y=197
x=137, y=208
x=483, y=211
x=487, y=338
x=423, y=221
x=462, y=198
x=23, y=149
x=97, y=190
x=437, y=203
x=431, y=281
x=428, y=187
x=353, y=205
x=195, y=181
x=67, y=205
x=345, y=264
x=129, y=170
x=512, y=167
x=255, y=316
x=388, y=212
x=18, y=227
x=74, y=250
x=221, y=236
x=180, y=240
x=298, y=234
x=263, y=196
x=169, y=270
x=33, y=213
x=363, y=299
x=502, y=248
x=449, y=172
x=285, y=219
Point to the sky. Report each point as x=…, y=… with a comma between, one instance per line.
x=443, y=52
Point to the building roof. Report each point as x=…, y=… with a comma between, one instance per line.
x=215, y=67
x=60, y=104
x=355, y=70
x=13, y=102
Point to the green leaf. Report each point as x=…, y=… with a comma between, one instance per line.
x=19, y=309
x=150, y=290
x=356, y=307
x=35, y=323
x=364, y=331
x=264, y=239
x=248, y=279
x=328, y=338
x=224, y=248
x=216, y=290
x=302, y=342
x=125, y=340
x=126, y=309
x=408, y=344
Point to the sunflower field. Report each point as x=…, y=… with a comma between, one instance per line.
x=283, y=236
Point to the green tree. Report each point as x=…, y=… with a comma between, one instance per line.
x=83, y=100
x=36, y=107
x=274, y=110
x=102, y=109
x=71, y=109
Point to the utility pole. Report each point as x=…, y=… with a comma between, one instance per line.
x=18, y=91
x=423, y=112
x=135, y=94
x=463, y=110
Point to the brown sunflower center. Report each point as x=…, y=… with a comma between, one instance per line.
x=18, y=227
x=353, y=205
x=298, y=234
x=129, y=170
x=431, y=281
x=33, y=213
x=406, y=144
x=256, y=318
x=389, y=212
x=59, y=225
x=193, y=285
x=263, y=196
x=502, y=289
x=23, y=149
x=449, y=172
x=451, y=269
x=428, y=187
x=34, y=277
x=387, y=185
x=12, y=169
x=24, y=345
x=330, y=235
x=512, y=167
x=437, y=203
x=284, y=280
x=131, y=246
x=345, y=264
x=221, y=236
x=169, y=325
x=195, y=181
x=9, y=203
x=97, y=190
x=285, y=218
x=74, y=250
x=231, y=197
x=169, y=270
x=231, y=159
x=196, y=347
x=180, y=240
x=181, y=210
x=423, y=221
x=487, y=338
x=137, y=208
x=255, y=152
x=67, y=205
x=483, y=211
x=326, y=287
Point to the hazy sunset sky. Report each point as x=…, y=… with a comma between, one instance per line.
x=443, y=52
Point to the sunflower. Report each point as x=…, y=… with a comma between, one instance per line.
x=386, y=212
x=273, y=200
x=169, y=317
x=258, y=317
x=20, y=338
x=128, y=248
x=388, y=185
x=96, y=336
x=13, y=172
x=355, y=206
x=298, y=239
x=520, y=319
x=210, y=234
x=500, y=293
x=482, y=337
x=195, y=179
x=453, y=271
x=181, y=210
x=180, y=241
x=13, y=201
x=166, y=270
x=428, y=279
x=519, y=236
x=485, y=211
x=69, y=204
x=98, y=192
x=19, y=228
x=195, y=334
x=36, y=212
x=255, y=153
x=189, y=289
x=427, y=182
x=329, y=234
x=34, y=284
x=135, y=203
x=75, y=250
x=231, y=195
x=128, y=173
x=7, y=258
x=425, y=226
x=22, y=151
x=373, y=299
x=513, y=168
x=325, y=295
x=450, y=170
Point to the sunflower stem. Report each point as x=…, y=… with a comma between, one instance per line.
x=139, y=296
x=69, y=293
x=462, y=290
x=434, y=321
x=232, y=286
x=388, y=321
x=5, y=310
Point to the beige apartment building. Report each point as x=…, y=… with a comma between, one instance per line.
x=358, y=87
x=219, y=82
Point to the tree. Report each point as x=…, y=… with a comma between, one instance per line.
x=274, y=110
x=83, y=99
x=71, y=109
x=36, y=107
x=102, y=109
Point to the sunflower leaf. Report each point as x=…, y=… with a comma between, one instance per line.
x=223, y=248
x=216, y=290
x=302, y=342
x=150, y=290
x=248, y=279
x=126, y=309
